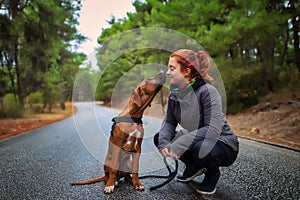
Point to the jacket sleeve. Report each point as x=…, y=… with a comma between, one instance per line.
x=210, y=102
x=167, y=131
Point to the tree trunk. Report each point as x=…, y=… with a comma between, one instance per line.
x=296, y=24
x=266, y=55
x=19, y=75
x=285, y=48
x=10, y=74
x=14, y=12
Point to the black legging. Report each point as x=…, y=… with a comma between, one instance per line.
x=220, y=155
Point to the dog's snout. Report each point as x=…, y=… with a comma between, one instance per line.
x=163, y=72
x=162, y=76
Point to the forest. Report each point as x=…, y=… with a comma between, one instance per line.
x=254, y=44
x=38, y=58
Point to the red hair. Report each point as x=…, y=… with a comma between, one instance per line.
x=198, y=62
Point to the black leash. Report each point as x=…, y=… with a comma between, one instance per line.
x=169, y=177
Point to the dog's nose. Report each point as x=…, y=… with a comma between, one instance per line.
x=163, y=72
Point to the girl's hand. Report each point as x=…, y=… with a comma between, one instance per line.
x=173, y=155
x=165, y=152
x=169, y=153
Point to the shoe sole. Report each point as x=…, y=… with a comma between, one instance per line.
x=200, y=172
x=204, y=192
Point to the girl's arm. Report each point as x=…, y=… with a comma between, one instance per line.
x=167, y=130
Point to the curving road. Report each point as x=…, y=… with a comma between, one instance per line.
x=40, y=164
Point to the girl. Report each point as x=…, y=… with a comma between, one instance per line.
x=206, y=141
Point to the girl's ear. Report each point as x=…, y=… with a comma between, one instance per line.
x=186, y=72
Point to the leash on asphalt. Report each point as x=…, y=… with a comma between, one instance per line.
x=169, y=177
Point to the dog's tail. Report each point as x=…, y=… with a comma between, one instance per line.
x=91, y=181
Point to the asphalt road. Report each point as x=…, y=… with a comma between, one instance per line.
x=40, y=164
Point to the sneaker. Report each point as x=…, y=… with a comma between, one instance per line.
x=189, y=174
x=208, y=185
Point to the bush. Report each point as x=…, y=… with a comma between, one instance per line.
x=34, y=98
x=244, y=92
x=37, y=109
x=235, y=108
x=35, y=101
x=12, y=107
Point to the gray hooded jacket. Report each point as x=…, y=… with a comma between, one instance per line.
x=199, y=112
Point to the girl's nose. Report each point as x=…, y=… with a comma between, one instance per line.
x=168, y=72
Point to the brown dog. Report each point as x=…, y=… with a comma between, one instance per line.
x=126, y=137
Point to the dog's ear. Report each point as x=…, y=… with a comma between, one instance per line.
x=137, y=97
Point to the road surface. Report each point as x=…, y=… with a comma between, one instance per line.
x=41, y=163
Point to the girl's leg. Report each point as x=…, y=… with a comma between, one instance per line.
x=219, y=154
x=209, y=154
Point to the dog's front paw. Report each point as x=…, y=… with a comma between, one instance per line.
x=139, y=187
x=109, y=189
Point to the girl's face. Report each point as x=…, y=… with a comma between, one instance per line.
x=176, y=76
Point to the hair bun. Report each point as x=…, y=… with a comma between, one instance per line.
x=204, y=65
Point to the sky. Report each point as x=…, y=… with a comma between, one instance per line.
x=93, y=17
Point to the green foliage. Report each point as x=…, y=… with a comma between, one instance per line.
x=85, y=84
x=242, y=90
x=254, y=44
x=37, y=36
x=53, y=88
x=250, y=41
x=35, y=100
x=12, y=108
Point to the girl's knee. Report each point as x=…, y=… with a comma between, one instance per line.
x=203, y=148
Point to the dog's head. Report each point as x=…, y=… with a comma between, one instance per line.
x=145, y=93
